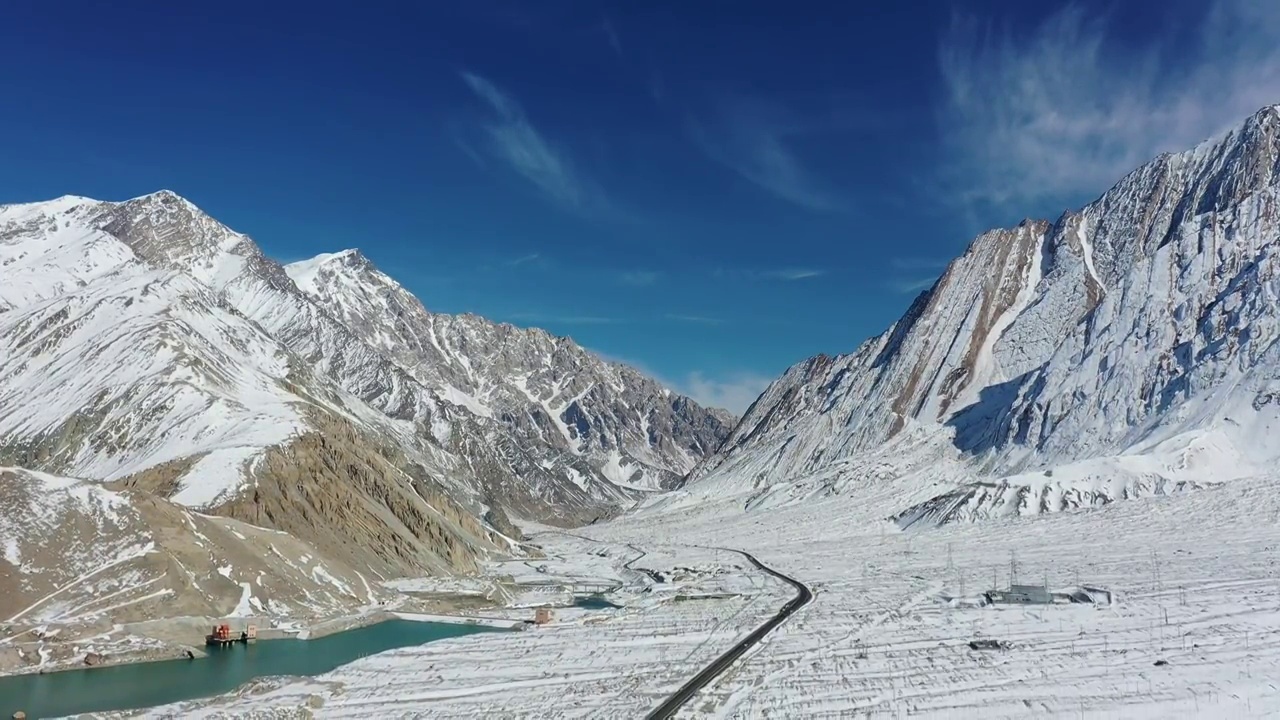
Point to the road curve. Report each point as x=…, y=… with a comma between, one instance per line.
x=682, y=696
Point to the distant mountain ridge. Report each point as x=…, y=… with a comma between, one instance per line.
x=627, y=427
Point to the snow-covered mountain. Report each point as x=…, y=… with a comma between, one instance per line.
x=117, y=369
x=587, y=418
x=1129, y=348
x=144, y=342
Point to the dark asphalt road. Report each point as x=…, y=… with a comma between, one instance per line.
x=685, y=694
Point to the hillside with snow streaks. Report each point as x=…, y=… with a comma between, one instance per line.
x=1144, y=325
x=592, y=420
x=131, y=372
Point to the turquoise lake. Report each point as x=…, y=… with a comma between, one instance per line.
x=139, y=685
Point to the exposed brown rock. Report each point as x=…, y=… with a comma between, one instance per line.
x=161, y=480
x=352, y=500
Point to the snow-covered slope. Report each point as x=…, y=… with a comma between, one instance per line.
x=494, y=415
x=589, y=419
x=1144, y=325
x=115, y=367
x=133, y=371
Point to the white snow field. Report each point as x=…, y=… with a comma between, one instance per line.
x=1195, y=581
x=1195, y=578
x=585, y=664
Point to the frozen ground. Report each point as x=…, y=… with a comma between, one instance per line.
x=1195, y=577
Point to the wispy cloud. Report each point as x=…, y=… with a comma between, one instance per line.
x=784, y=274
x=695, y=319
x=523, y=260
x=469, y=151
x=914, y=273
x=795, y=273
x=910, y=285
x=639, y=278
x=512, y=139
x=611, y=33
x=917, y=263
x=734, y=391
x=752, y=139
x=1068, y=108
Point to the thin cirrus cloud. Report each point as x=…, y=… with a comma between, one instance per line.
x=523, y=260
x=911, y=273
x=639, y=278
x=911, y=285
x=1067, y=109
x=693, y=319
x=917, y=263
x=611, y=34
x=784, y=274
x=792, y=274
x=751, y=138
x=509, y=137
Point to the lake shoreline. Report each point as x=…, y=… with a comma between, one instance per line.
x=126, y=688
x=165, y=630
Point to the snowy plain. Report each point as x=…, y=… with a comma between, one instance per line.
x=1195, y=579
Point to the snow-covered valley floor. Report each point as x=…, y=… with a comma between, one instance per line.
x=1195, y=579
x=587, y=663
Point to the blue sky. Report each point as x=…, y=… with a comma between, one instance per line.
x=711, y=191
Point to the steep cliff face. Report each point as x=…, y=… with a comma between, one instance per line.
x=1142, y=326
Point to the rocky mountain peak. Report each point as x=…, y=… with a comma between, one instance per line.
x=344, y=268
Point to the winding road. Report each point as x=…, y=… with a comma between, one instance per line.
x=682, y=696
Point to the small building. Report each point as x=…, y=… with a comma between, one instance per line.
x=1021, y=595
x=542, y=616
x=223, y=635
